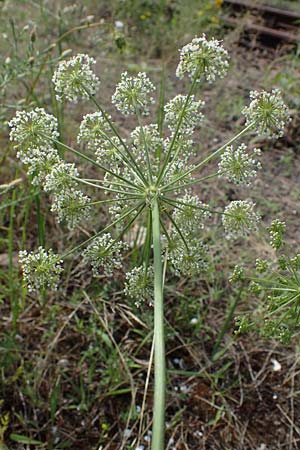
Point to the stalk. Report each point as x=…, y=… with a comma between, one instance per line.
x=159, y=340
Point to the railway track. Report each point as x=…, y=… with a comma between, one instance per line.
x=274, y=25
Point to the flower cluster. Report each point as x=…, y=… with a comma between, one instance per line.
x=104, y=254
x=33, y=130
x=74, y=79
x=203, y=58
x=188, y=258
x=185, y=109
x=41, y=269
x=276, y=231
x=261, y=265
x=139, y=285
x=94, y=131
x=190, y=214
x=237, y=274
x=40, y=163
x=61, y=178
x=186, y=252
x=71, y=206
x=133, y=94
x=268, y=113
x=149, y=137
x=238, y=165
x=239, y=218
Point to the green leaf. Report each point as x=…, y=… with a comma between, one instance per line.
x=24, y=439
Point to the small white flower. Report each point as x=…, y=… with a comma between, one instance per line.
x=206, y=58
x=104, y=255
x=119, y=25
x=268, y=112
x=133, y=93
x=74, y=79
x=239, y=166
x=239, y=218
x=33, y=129
x=41, y=269
x=191, y=116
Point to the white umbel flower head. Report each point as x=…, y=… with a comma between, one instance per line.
x=93, y=130
x=189, y=216
x=133, y=93
x=71, y=206
x=268, y=113
x=239, y=218
x=139, y=285
x=187, y=261
x=33, y=129
x=238, y=165
x=154, y=142
x=206, y=59
x=61, y=178
x=74, y=79
x=104, y=255
x=41, y=269
x=191, y=116
x=40, y=163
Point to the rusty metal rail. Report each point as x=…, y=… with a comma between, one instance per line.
x=274, y=23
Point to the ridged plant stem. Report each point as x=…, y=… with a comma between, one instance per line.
x=158, y=431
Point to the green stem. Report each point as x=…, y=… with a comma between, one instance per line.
x=175, y=204
x=90, y=160
x=168, y=158
x=137, y=207
x=211, y=156
x=104, y=188
x=115, y=131
x=144, y=141
x=14, y=303
x=226, y=324
x=110, y=182
x=194, y=181
x=159, y=341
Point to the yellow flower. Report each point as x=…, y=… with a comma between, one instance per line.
x=219, y=3
x=215, y=20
